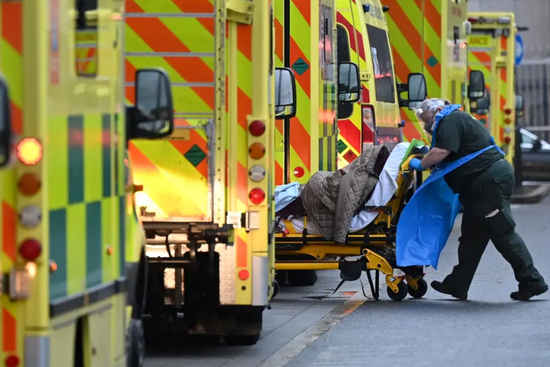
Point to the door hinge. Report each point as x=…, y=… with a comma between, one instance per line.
x=240, y=11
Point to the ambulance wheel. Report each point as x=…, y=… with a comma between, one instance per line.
x=421, y=291
x=280, y=277
x=242, y=339
x=302, y=278
x=206, y=339
x=135, y=344
x=276, y=288
x=401, y=293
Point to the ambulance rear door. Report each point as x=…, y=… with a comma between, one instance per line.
x=178, y=173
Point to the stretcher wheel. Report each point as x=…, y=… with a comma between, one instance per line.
x=421, y=291
x=302, y=278
x=401, y=293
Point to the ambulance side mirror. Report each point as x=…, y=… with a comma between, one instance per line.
x=520, y=107
x=5, y=124
x=285, y=93
x=416, y=89
x=153, y=115
x=348, y=82
x=481, y=105
x=476, y=88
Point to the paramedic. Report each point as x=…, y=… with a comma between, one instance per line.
x=484, y=185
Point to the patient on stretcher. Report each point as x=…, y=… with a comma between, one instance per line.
x=377, y=164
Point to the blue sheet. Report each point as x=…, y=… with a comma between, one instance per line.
x=286, y=194
x=427, y=220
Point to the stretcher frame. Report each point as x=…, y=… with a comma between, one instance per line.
x=369, y=245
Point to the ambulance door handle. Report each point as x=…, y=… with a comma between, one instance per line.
x=134, y=188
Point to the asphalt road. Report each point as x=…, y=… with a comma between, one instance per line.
x=487, y=330
x=306, y=329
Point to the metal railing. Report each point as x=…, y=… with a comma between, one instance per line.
x=533, y=82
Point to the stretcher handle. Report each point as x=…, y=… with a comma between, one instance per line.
x=405, y=166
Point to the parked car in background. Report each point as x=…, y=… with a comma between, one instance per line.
x=535, y=157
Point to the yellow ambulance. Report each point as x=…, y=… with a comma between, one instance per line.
x=364, y=38
x=206, y=192
x=430, y=36
x=70, y=291
x=305, y=42
x=491, y=51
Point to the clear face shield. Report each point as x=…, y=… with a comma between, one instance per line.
x=426, y=120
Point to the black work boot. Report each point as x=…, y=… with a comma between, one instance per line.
x=527, y=293
x=442, y=288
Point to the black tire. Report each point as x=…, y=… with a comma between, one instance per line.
x=140, y=291
x=421, y=291
x=242, y=339
x=280, y=277
x=135, y=344
x=276, y=288
x=401, y=293
x=302, y=278
x=205, y=339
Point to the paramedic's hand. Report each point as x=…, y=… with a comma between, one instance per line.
x=415, y=164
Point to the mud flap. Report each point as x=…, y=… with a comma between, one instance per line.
x=131, y=281
x=135, y=344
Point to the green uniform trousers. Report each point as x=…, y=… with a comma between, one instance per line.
x=489, y=191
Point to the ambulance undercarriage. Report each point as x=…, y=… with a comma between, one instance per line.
x=191, y=273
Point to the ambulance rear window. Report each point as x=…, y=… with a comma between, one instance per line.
x=343, y=44
x=382, y=64
x=345, y=110
x=86, y=38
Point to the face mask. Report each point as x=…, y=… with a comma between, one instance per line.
x=428, y=126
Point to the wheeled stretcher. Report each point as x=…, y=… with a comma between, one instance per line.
x=301, y=247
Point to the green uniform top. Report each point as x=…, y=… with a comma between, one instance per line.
x=462, y=134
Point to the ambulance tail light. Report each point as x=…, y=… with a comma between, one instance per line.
x=256, y=128
x=30, y=216
x=29, y=184
x=507, y=140
x=29, y=151
x=368, y=125
x=244, y=274
x=473, y=20
x=256, y=173
x=508, y=111
x=13, y=361
x=257, y=196
x=30, y=249
x=256, y=151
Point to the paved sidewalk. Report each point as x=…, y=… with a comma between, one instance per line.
x=531, y=194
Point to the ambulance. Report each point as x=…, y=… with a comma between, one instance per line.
x=364, y=38
x=430, y=36
x=491, y=50
x=206, y=193
x=70, y=263
x=306, y=42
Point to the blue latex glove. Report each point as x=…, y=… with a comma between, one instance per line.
x=415, y=164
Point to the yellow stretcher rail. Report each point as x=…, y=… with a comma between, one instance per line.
x=374, y=248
